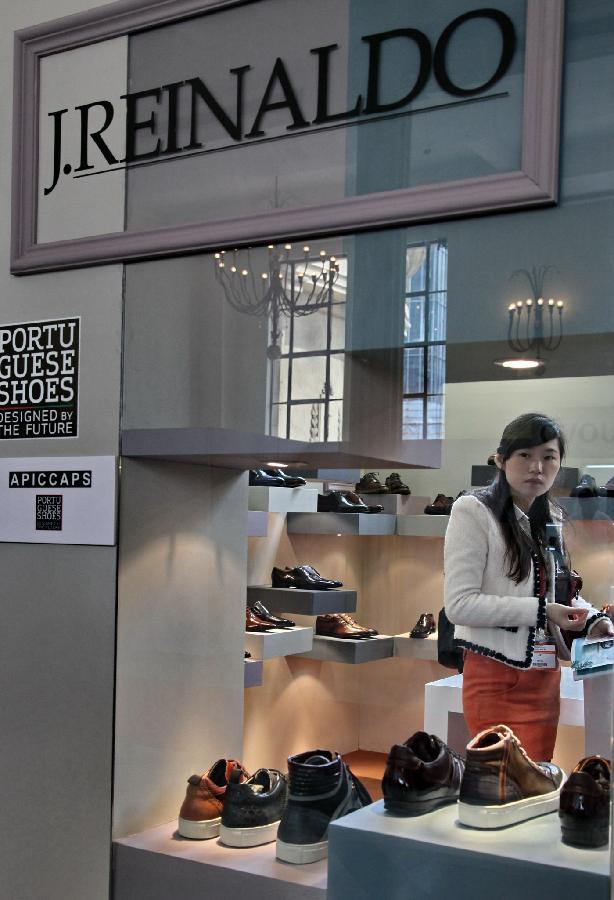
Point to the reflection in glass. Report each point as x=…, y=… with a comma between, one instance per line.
x=413, y=370
x=414, y=319
x=436, y=369
x=435, y=416
x=413, y=420
x=415, y=269
x=335, y=421
x=437, y=316
x=308, y=377
x=438, y=264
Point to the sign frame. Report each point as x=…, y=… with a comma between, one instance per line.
x=534, y=184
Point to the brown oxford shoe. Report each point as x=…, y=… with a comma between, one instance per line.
x=370, y=484
x=424, y=626
x=253, y=622
x=338, y=625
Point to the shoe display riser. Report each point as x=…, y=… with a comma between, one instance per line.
x=371, y=853
x=302, y=602
x=339, y=650
x=422, y=526
x=282, y=499
x=341, y=523
x=398, y=504
x=416, y=648
x=257, y=523
x=268, y=645
x=164, y=865
x=253, y=673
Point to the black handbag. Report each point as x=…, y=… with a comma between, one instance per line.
x=449, y=654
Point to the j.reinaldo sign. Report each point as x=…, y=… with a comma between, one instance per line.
x=240, y=122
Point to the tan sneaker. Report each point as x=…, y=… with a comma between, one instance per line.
x=201, y=811
x=501, y=785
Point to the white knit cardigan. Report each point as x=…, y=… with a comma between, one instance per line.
x=492, y=614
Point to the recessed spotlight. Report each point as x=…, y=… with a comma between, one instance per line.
x=519, y=363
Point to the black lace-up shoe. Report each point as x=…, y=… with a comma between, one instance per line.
x=274, y=621
x=421, y=775
x=252, y=809
x=586, y=487
x=395, y=485
x=584, y=809
x=321, y=790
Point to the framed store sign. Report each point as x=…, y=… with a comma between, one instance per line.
x=59, y=500
x=148, y=128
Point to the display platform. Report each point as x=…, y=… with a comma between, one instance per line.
x=329, y=649
x=158, y=864
x=374, y=855
x=257, y=523
x=283, y=499
x=422, y=526
x=270, y=644
x=341, y=523
x=416, y=648
x=302, y=602
x=252, y=675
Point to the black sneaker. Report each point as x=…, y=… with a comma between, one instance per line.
x=252, y=809
x=421, y=775
x=321, y=789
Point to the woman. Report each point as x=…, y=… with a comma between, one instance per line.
x=499, y=590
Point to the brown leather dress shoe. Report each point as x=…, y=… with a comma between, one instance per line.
x=370, y=484
x=424, y=626
x=585, y=803
x=253, y=622
x=441, y=506
x=421, y=775
x=338, y=625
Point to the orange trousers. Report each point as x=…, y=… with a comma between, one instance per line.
x=526, y=700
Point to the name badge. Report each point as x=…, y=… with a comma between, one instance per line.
x=544, y=656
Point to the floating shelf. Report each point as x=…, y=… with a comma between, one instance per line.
x=416, y=648
x=342, y=650
x=257, y=524
x=422, y=526
x=302, y=602
x=283, y=642
x=252, y=675
x=398, y=504
x=341, y=523
x=283, y=499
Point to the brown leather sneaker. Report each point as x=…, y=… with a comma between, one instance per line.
x=585, y=803
x=421, y=775
x=201, y=811
x=501, y=785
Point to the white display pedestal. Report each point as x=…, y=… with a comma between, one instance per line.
x=376, y=856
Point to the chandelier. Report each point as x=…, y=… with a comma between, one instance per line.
x=280, y=285
x=533, y=326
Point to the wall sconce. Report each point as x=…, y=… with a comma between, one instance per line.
x=533, y=324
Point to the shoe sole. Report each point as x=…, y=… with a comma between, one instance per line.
x=417, y=807
x=509, y=813
x=249, y=837
x=301, y=854
x=199, y=831
x=585, y=837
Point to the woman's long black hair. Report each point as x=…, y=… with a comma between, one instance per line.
x=528, y=430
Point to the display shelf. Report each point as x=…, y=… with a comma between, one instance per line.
x=283, y=642
x=162, y=864
x=416, y=648
x=371, y=852
x=422, y=526
x=398, y=504
x=252, y=675
x=257, y=524
x=342, y=650
x=283, y=499
x=341, y=523
x=302, y=602
x=596, y=508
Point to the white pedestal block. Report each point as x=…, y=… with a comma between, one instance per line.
x=257, y=523
x=281, y=499
x=373, y=854
x=341, y=650
x=416, y=648
x=269, y=644
x=158, y=864
x=341, y=523
x=302, y=602
x=422, y=526
x=252, y=675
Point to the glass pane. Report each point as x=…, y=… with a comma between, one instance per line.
x=278, y=420
x=339, y=294
x=412, y=419
x=307, y=422
x=310, y=331
x=435, y=407
x=280, y=380
x=415, y=269
x=414, y=320
x=436, y=369
x=282, y=339
x=438, y=276
x=308, y=378
x=337, y=341
x=337, y=371
x=437, y=317
x=413, y=370
x=335, y=421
